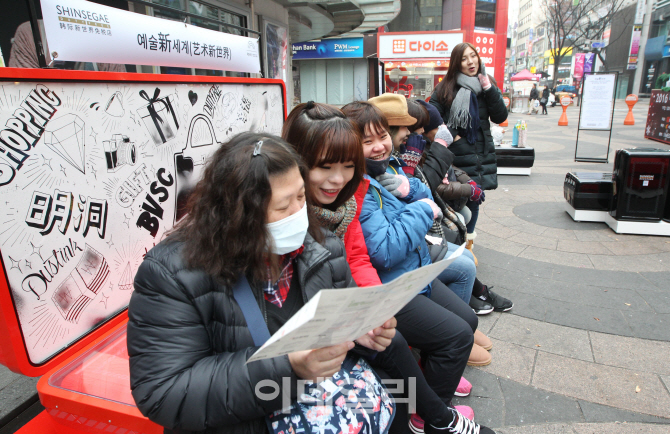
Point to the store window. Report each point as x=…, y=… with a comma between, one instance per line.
x=485, y=15
x=331, y=81
x=431, y=23
x=414, y=79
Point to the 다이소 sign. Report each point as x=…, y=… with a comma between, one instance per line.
x=82, y=31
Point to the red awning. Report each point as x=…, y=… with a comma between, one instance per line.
x=524, y=75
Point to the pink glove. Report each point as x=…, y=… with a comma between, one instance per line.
x=445, y=181
x=403, y=188
x=397, y=185
x=437, y=212
x=484, y=81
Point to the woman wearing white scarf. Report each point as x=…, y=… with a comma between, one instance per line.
x=468, y=101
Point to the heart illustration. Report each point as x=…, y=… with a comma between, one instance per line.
x=193, y=97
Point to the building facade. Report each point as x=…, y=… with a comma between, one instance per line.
x=484, y=23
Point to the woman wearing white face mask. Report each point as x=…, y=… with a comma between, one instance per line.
x=190, y=332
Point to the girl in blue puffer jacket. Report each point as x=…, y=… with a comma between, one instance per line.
x=394, y=225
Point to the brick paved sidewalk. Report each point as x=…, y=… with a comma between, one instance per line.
x=586, y=346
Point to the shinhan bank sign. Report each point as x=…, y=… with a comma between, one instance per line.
x=329, y=49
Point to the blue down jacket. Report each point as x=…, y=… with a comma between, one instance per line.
x=394, y=229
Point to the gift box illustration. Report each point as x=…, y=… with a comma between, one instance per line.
x=75, y=293
x=159, y=116
x=119, y=151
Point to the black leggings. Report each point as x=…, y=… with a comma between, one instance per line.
x=442, y=328
x=544, y=108
x=398, y=363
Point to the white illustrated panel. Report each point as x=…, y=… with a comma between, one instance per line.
x=92, y=175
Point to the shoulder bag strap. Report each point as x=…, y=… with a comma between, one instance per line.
x=252, y=313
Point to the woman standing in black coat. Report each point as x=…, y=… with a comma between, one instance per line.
x=466, y=99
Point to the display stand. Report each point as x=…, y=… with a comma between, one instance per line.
x=596, y=111
x=512, y=160
x=100, y=168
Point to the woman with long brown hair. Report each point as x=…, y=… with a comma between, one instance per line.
x=468, y=101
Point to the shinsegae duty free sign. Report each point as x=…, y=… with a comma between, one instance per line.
x=81, y=31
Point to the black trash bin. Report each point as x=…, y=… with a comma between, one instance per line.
x=641, y=181
x=588, y=190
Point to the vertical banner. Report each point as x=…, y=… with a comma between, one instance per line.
x=579, y=66
x=589, y=59
x=276, y=50
x=634, y=46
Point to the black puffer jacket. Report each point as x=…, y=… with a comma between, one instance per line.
x=188, y=342
x=478, y=160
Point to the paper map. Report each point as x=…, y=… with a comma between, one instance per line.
x=334, y=316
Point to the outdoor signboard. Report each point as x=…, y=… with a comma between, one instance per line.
x=329, y=49
x=634, y=49
x=436, y=45
x=95, y=169
x=595, y=114
x=486, y=47
x=77, y=30
x=597, y=102
x=658, y=117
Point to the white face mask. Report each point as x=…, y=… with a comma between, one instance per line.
x=288, y=234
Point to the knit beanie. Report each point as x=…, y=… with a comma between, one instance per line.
x=435, y=118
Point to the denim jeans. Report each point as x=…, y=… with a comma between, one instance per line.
x=474, y=208
x=460, y=275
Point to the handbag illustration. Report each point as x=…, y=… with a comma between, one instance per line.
x=200, y=144
x=352, y=400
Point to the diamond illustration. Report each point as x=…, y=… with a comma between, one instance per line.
x=126, y=282
x=65, y=136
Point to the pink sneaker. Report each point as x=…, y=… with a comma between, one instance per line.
x=465, y=411
x=416, y=424
x=464, y=388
